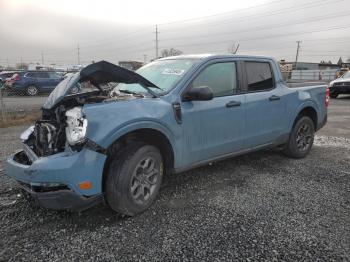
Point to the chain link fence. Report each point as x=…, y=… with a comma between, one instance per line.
x=310, y=75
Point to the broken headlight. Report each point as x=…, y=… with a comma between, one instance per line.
x=76, y=126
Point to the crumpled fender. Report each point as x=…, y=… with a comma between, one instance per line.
x=109, y=121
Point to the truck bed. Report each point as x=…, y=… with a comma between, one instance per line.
x=294, y=84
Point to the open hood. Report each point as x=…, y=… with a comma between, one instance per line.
x=98, y=74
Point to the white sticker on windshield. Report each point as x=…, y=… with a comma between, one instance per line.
x=169, y=71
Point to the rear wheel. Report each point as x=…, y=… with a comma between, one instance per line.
x=301, y=138
x=134, y=178
x=32, y=90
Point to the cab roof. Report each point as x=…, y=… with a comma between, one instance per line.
x=213, y=56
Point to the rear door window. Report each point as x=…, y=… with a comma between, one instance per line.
x=259, y=76
x=42, y=75
x=54, y=75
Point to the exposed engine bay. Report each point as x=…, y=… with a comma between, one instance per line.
x=63, y=123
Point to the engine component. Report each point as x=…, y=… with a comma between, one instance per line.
x=76, y=126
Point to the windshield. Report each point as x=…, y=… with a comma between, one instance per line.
x=346, y=75
x=164, y=74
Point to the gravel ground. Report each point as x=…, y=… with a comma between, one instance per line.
x=23, y=103
x=261, y=206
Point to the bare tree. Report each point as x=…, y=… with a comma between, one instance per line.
x=171, y=52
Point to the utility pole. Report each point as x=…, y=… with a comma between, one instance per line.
x=296, y=56
x=78, y=49
x=42, y=58
x=145, y=58
x=157, y=41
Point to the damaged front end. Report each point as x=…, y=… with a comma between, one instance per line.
x=63, y=122
x=57, y=157
x=53, y=134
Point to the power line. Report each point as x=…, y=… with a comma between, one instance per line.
x=300, y=7
x=268, y=36
x=313, y=19
x=220, y=14
x=273, y=13
x=120, y=37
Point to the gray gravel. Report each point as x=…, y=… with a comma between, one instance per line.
x=262, y=206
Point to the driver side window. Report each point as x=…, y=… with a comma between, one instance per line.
x=221, y=78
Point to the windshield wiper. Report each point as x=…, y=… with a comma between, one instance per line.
x=131, y=92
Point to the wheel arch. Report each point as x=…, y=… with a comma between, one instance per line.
x=150, y=136
x=310, y=111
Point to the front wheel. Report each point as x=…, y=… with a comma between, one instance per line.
x=32, y=90
x=301, y=138
x=134, y=179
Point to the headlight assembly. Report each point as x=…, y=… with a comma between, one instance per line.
x=76, y=126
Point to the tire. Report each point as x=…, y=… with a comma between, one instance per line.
x=32, y=90
x=333, y=95
x=301, y=138
x=134, y=179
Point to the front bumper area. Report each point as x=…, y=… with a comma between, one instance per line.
x=64, y=199
x=66, y=169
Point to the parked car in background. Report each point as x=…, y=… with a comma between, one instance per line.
x=5, y=75
x=340, y=85
x=32, y=83
x=171, y=115
x=342, y=71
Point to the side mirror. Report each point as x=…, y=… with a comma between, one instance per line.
x=202, y=93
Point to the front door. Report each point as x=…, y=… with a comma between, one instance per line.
x=213, y=128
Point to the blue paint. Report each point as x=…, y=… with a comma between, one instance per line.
x=209, y=129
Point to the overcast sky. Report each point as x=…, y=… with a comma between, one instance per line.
x=120, y=30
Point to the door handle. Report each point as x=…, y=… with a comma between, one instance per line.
x=233, y=103
x=273, y=98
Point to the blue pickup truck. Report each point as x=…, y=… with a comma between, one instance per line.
x=114, y=142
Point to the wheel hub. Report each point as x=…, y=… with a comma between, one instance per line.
x=304, y=137
x=144, y=179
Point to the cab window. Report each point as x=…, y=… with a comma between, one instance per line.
x=259, y=76
x=221, y=78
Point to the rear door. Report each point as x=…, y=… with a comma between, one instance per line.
x=214, y=128
x=265, y=105
x=54, y=79
x=43, y=80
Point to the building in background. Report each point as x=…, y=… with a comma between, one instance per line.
x=308, y=71
x=131, y=65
